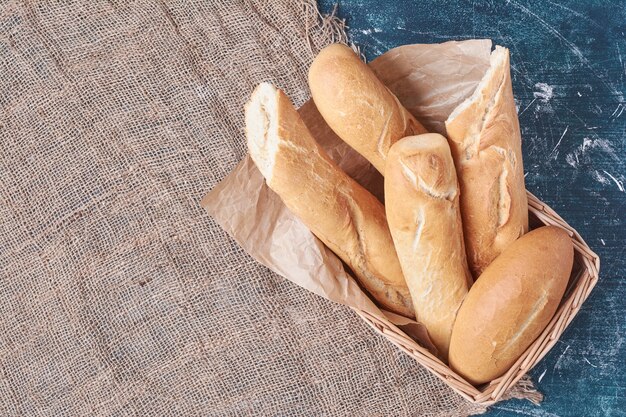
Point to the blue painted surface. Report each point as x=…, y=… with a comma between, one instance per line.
x=569, y=63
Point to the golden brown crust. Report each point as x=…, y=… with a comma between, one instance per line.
x=422, y=205
x=341, y=213
x=510, y=305
x=357, y=105
x=485, y=139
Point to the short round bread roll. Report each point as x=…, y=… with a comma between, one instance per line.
x=357, y=106
x=339, y=211
x=422, y=205
x=511, y=303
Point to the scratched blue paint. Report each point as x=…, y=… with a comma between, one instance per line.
x=569, y=62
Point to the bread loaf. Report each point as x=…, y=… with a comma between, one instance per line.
x=357, y=105
x=341, y=213
x=511, y=304
x=485, y=140
x=422, y=205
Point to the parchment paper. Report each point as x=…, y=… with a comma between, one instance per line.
x=430, y=81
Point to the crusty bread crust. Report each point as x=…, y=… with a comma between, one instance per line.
x=422, y=205
x=485, y=140
x=341, y=213
x=357, y=105
x=510, y=304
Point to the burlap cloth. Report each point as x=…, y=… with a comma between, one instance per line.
x=118, y=294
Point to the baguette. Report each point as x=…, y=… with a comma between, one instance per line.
x=422, y=204
x=485, y=140
x=511, y=304
x=340, y=212
x=357, y=105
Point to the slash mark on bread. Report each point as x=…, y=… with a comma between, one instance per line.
x=400, y=107
x=419, y=221
x=420, y=185
x=473, y=143
x=382, y=145
x=504, y=198
x=536, y=310
x=353, y=224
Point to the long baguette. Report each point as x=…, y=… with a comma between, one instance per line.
x=357, y=105
x=341, y=213
x=422, y=204
x=485, y=139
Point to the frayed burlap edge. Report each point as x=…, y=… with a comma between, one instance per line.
x=524, y=390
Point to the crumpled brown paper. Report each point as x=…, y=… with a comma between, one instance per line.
x=430, y=81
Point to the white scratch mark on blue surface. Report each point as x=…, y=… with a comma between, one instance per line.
x=545, y=93
x=536, y=412
x=603, y=243
x=587, y=360
x=557, y=365
x=559, y=142
x=434, y=34
x=377, y=50
x=370, y=31
x=599, y=144
x=616, y=181
x=619, y=106
x=600, y=178
x=572, y=47
x=529, y=104
x=552, y=30
x=542, y=375
x=575, y=13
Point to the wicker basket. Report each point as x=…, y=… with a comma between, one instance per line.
x=583, y=279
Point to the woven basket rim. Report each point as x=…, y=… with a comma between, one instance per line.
x=578, y=291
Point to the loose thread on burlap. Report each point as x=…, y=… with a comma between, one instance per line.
x=524, y=390
x=329, y=25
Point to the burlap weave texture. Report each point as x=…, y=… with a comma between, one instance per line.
x=118, y=294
